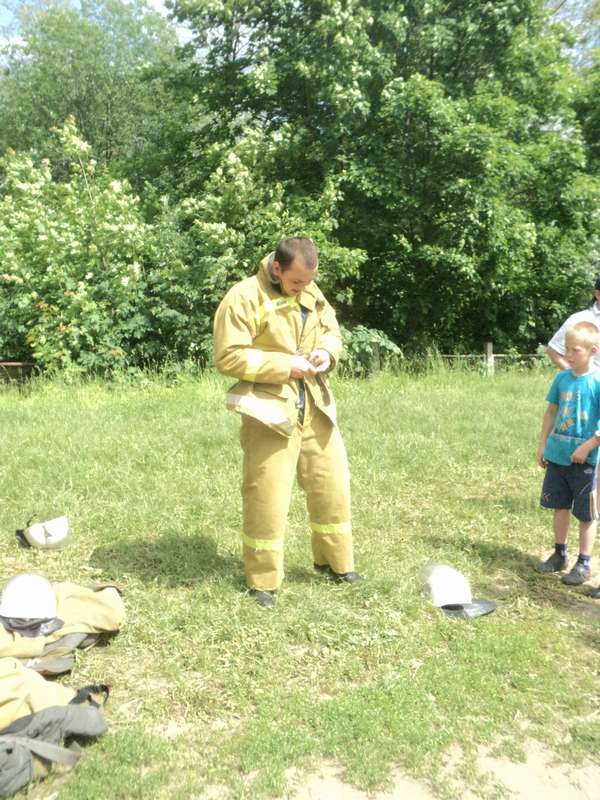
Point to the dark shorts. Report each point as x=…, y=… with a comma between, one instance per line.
x=572, y=487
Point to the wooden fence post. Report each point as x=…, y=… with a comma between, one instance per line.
x=488, y=351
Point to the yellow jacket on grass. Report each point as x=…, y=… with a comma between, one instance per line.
x=83, y=610
x=257, y=331
x=23, y=691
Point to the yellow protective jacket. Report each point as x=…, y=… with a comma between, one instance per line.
x=83, y=610
x=257, y=330
x=23, y=692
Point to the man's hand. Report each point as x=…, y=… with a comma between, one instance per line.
x=579, y=455
x=556, y=358
x=301, y=367
x=320, y=359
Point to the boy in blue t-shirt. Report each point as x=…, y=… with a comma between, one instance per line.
x=568, y=450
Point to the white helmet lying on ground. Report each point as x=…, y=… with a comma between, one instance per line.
x=450, y=591
x=28, y=605
x=47, y=535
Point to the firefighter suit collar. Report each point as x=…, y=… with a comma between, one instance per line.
x=307, y=298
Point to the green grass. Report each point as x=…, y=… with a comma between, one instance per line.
x=208, y=689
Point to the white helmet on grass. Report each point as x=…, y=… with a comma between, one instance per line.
x=47, y=535
x=28, y=596
x=451, y=592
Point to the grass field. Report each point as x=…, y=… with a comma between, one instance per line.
x=210, y=690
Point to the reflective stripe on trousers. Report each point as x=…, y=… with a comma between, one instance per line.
x=316, y=455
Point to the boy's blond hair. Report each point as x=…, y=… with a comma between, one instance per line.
x=586, y=334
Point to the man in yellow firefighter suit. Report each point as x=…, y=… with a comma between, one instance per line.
x=278, y=336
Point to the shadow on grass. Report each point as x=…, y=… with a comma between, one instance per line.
x=527, y=581
x=489, y=553
x=299, y=574
x=173, y=559
x=512, y=504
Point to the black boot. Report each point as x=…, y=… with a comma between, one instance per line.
x=264, y=599
x=339, y=577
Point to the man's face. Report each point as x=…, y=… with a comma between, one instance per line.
x=597, y=296
x=296, y=277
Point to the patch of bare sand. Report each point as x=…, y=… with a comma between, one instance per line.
x=540, y=777
x=543, y=776
x=328, y=786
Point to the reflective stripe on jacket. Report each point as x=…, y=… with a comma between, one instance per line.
x=257, y=330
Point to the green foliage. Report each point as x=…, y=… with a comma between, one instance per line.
x=589, y=115
x=441, y=154
x=239, y=214
x=483, y=225
x=72, y=255
x=447, y=132
x=83, y=276
x=106, y=63
x=88, y=284
x=367, y=350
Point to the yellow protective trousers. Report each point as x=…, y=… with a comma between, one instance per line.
x=315, y=453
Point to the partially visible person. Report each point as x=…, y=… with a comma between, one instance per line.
x=556, y=345
x=568, y=451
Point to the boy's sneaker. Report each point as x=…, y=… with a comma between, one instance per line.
x=555, y=563
x=578, y=575
x=595, y=593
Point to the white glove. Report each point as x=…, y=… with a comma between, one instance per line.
x=320, y=359
x=301, y=367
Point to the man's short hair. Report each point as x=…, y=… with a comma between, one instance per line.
x=293, y=246
x=585, y=332
x=597, y=283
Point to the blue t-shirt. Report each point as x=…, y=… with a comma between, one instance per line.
x=578, y=401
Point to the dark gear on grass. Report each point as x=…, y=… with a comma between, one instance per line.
x=31, y=745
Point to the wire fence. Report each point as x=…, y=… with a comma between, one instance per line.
x=489, y=362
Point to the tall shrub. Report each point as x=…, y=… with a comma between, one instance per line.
x=72, y=255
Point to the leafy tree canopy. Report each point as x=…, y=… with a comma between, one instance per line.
x=107, y=64
x=443, y=154
x=448, y=131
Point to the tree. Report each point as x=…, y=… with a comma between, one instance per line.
x=107, y=64
x=447, y=130
x=482, y=230
x=88, y=284
x=583, y=19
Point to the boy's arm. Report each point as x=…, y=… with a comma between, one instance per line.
x=547, y=425
x=580, y=454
